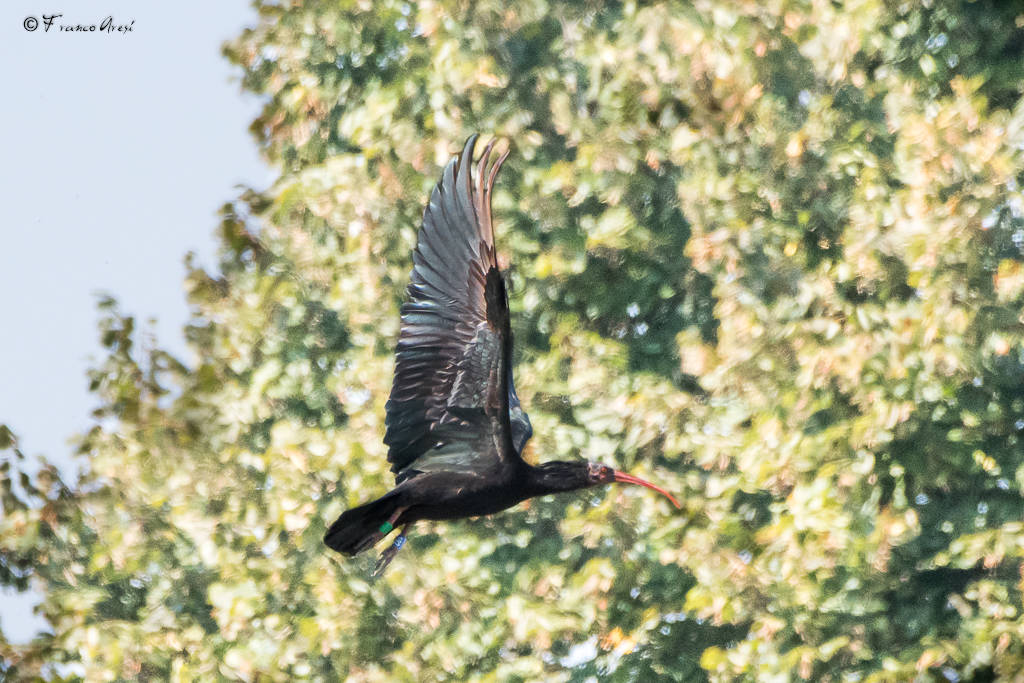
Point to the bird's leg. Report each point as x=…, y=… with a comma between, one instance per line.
x=385, y=557
x=380, y=533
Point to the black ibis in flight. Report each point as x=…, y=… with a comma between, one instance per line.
x=455, y=427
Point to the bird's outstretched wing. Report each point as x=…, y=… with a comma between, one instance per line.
x=453, y=405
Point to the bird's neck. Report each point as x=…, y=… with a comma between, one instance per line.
x=556, y=477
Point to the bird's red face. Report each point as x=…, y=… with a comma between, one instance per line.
x=599, y=474
x=602, y=474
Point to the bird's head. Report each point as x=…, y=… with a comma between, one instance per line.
x=551, y=477
x=598, y=473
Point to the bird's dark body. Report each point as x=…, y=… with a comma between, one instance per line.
x=455, y=427
x=441, y=496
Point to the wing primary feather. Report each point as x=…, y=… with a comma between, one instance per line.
x=483, y=209
x=464, y=182
x=445, y=203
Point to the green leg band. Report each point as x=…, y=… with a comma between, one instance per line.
x=386, y=527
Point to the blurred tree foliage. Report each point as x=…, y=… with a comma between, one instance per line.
x=770, y=254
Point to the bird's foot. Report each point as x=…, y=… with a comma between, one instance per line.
x=389, y=554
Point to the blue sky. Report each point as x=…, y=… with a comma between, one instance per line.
x=118, y=149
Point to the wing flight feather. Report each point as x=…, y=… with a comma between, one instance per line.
x=453, y=404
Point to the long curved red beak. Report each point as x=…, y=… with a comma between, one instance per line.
x=623, y=478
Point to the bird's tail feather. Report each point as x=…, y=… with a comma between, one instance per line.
x=359, y=528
